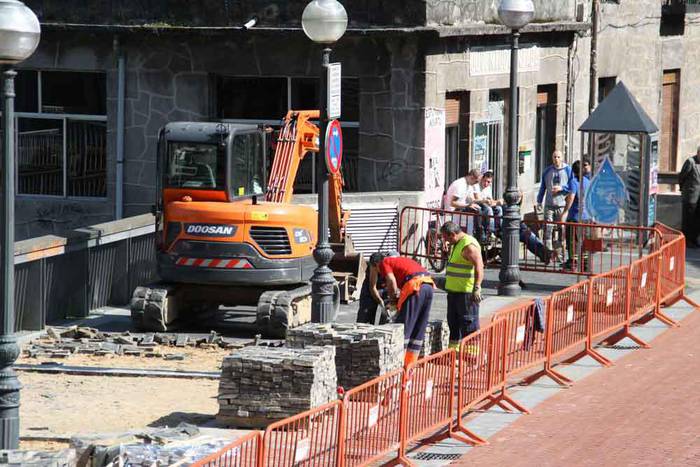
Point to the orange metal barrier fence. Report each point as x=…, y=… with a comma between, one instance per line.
x=243, y=452
x=429, y=394
x=384, y=415
x=373, y=419
x=311, y=438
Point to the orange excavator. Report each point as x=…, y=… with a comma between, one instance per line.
x=223, y=239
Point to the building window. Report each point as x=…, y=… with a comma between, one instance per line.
x=266, y=101
x=605, y=86
x=61, y=132
x=669, y=120
x=546, y=131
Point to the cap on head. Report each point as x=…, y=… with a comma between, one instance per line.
x=376, y=258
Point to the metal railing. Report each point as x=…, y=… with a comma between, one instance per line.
x=57, y=277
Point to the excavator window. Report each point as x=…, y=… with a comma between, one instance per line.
x=247, y=164
x=195, y=165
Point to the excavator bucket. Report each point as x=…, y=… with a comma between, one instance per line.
x=349, y=268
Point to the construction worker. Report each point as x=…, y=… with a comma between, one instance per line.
x=372, y=296
x=464, y=273
x=410, y=287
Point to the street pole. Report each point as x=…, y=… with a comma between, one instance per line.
x=9, y=351
x=322, y=281
x=509, y=277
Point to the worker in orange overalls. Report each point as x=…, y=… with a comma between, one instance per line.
x=410, y=286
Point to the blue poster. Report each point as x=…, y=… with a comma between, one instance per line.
x=606, y=195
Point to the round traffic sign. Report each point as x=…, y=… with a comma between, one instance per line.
x=334, y=146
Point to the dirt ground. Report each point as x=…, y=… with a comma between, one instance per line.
x=65, y=405
x=55, y=406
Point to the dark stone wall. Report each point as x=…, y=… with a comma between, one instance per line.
x=361, y=13
x=42, y=215
x=170, y=78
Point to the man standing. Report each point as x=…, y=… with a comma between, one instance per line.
x=410, y=286
x=556, y=184
x=689, y=180
x=574, y=235
x=465, y=271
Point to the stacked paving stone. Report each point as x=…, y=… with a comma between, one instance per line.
x=437, y=337
x=260, y=385
x=362, y=351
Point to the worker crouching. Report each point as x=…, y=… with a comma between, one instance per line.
x=410, y=288
x=463, y=276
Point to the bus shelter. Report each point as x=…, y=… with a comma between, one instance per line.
x=623, y=145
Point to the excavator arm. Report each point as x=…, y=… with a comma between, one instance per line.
x=297, y=137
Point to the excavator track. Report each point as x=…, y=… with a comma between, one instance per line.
x=156, y=308
x=153, y=308
x=279, y=310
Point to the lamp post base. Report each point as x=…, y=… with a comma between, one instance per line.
x=9, y=393
x=324, y=307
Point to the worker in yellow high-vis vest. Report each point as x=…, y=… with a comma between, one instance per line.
x=463, y=276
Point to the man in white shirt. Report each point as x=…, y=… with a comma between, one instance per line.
x=464, y=193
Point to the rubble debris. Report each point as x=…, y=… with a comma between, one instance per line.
x=61, y=343
x=262, y=384
x=62, y=458
x=181, y=445
x=363, y=351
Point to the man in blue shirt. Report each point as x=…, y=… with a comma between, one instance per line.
x=555, y=188
x=574, y=235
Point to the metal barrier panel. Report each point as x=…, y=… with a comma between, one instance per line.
x=545, y=246
x=526, y=344
x=308, y=439
x=667, y=233
x=430, y=394
x=643, y=286
x=609, y=299
x=372, y=419
x=567, y=318
x=672, y=270
x=480, y=365
x=243, y=452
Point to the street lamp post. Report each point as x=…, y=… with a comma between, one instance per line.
x=514, y=14
x=324, y=22
x=19, y=37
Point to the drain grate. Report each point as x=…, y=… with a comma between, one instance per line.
x=436, y=456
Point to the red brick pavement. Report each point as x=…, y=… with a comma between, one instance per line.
x=645, y=410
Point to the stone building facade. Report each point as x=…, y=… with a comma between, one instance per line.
x=425, y=90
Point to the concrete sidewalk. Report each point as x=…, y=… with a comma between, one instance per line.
x=643, y=411
x=491, y=424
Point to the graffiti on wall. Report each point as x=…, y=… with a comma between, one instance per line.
x=434, y=156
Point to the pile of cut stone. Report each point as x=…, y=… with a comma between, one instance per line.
x=437, y=337
x=362, y=351
x=61, y=343
x=260, y=384
x=149, y=447
x=62, y=458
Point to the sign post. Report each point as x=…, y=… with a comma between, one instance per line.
x=334, y=146
x=334, y=81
